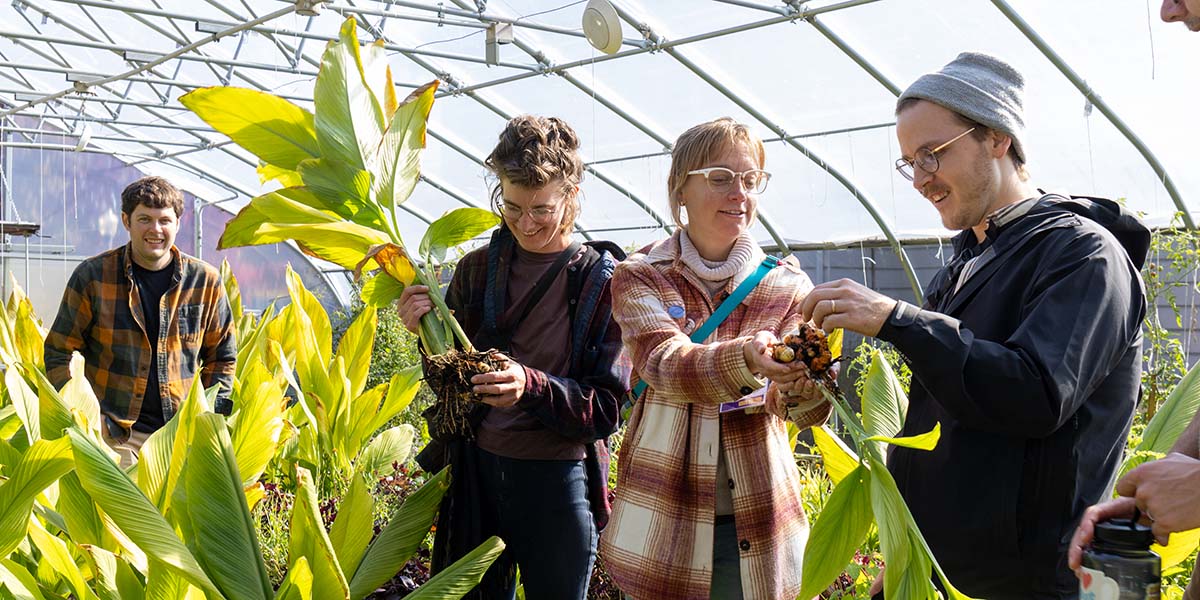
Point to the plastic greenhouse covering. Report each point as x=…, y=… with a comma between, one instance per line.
x=1111, y=102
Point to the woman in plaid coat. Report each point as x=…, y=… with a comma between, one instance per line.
x=708, y=503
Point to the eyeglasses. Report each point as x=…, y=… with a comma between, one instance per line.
x=540, y=214
x=722, y=180
x=926, y=159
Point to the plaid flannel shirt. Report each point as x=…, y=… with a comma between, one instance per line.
x=101, y=317
x=659, y=542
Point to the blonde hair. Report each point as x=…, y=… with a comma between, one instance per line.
x=533, y=152
x=701, y=145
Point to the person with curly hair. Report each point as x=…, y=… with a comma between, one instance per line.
x=536, y=471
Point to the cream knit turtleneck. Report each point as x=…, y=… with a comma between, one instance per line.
x=743, y=258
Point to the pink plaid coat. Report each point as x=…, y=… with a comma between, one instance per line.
x=658, y=545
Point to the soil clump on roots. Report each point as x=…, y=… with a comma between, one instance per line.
x=449, y=376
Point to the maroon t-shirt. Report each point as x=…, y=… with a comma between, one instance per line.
x=543, y=342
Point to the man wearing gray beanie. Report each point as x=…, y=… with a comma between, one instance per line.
x=1027, y=348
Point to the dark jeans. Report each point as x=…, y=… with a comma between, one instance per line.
x=540, y=509
x=727, y=567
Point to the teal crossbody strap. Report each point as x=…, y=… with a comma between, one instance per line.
x=714, y=320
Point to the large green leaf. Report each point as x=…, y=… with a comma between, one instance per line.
x=129, y=585
x=354, y=526
x=43, y=463
x=54, y=412
x=77, y=509
x=381, y=290
x=349, y=119
x=104, y=572
x=1174, y=415
x=401, y=390
x=391, y=446
x=355, y=348
x=908, y=573
x=840, y=529
x=401, y=538
x=28, y=333
x=462, y=576
x=309, y=541
x=924, y=441
x=299, y=582
x=271, y=128
x=226, y=542
x=26, y=401
x=344, y=189
x=399, y=154
x=131, y=510
x=360, y=429
x=838, y=458
x=884, y=403
x=318, y=318
x=18, y=581
x=258, y=423
x=57, y=556
x=78, y=396
x=455, y=227
x=273, y=218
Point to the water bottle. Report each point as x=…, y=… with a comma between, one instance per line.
x=1120, y=565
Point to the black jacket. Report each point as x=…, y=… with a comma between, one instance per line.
x=1033, y=369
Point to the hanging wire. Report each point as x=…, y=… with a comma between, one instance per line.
x=1150, y=37
x=1087, y=121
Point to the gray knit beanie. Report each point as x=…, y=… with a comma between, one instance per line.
x=981, y=88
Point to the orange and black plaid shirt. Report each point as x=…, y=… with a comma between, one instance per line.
x=101, y=318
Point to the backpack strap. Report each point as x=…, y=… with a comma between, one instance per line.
x=723, y=311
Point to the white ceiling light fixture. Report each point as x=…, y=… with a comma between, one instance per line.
x=602, y=26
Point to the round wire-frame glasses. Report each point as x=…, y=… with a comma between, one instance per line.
x=925, y=158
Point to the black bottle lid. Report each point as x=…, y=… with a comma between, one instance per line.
x=1124, y=534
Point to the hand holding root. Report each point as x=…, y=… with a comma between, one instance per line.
x=501, y=388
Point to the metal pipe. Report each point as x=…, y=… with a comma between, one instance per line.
x=855, y=56
x=1094, y=97
x=853, y=188
x=85, y=86
x=483, y=16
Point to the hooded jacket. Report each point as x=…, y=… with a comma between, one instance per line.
x=1031, y=362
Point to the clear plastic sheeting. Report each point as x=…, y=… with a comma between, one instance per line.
x=817, y=79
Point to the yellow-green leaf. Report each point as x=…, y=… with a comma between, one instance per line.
x=463, y=575
x=925, y=441
x=400, y=539
x=18, y=581
x=225, y=535
x=834, y=339
x=402, y=389
x=112, y=490
x=455, y=227
x=399, y=154
x=26, y=402
x=838, y=458
x=1174, y=415
x=382, y=290
x=54, y=552
x=1180, y=545
x=299, y=582
x=884, y=403
x=273, y=129
x=391, y=446
x=349, y=119
x=343, y=189
x=355, y=348
x=354, y=526
x=309, y=540
x=285, y=177
x=840, y=529
x=42, y=464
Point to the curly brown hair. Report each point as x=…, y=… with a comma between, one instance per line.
x=153, y=192
x=534, y=152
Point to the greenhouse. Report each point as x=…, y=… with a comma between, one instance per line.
x=334, y=155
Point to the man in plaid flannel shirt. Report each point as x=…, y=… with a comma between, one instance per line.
x=147, y=319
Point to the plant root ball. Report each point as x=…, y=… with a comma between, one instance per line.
x=449, y=376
